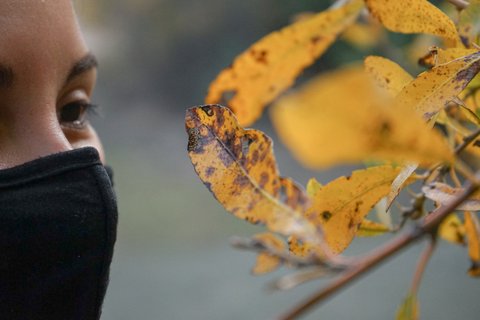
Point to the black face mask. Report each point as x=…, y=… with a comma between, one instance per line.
x=58, y=219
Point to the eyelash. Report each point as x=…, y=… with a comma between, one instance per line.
x=75, y=114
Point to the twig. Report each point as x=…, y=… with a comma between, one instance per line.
x=422, y=263
x=466, y=141
x=367, y=263
x=460, y=4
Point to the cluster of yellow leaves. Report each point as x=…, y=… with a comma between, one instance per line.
x=375, y=111
x=239, y=168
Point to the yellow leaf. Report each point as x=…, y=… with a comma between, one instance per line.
x=469, y=23
x=409, y=309
x=383, y=214
x=452, y=230
x=387, y=74
x=442, y=194
x=432, y=89
x=412, y=16
x=313, y=186
x=370, y=228
x=266, y=262
x=399, y=183
x=239, y=168
x=340, y=206
x=271, y=65
x=339, y=117
x=439, y=56
x=363, y=35
x=472, y=229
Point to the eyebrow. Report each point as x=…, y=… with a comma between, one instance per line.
x=83, y=65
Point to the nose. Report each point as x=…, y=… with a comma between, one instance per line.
x=30, y=136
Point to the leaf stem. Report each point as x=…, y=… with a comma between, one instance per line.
x=366, y=263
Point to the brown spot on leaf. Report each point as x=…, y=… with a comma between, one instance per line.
x=208, y=110
x=385, y=128
x=357, y=205
x=193, y=139
x=255, y=156
x=326, y=215
x=246, y=142
x=241, y=181
x=351, y=223
x=263, y=179
x=226, y=157
x=209, y=171
x=260, y=56
x=314, y=40
x=220, y=119
x=468, y=74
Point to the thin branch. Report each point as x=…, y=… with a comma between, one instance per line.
x=460, y=4
x=368, y=262
x=466, y=141
x=422, y=263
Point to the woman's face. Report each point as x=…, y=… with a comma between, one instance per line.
x=47, y=76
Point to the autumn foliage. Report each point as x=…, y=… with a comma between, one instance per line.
x=418, y=130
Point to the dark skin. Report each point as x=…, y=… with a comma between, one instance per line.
x=47, y=76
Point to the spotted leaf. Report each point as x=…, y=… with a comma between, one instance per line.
x=239, y=168
x=387, y=74
x=340, y=206
x=271, y=65
x=430, y=91
x=412, y=16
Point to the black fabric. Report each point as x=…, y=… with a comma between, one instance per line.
x=58, y=220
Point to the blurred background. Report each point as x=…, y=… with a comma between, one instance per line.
x=173, y=259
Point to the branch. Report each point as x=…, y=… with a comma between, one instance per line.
x=367, y=263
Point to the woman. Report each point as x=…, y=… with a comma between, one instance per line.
x=57, y=208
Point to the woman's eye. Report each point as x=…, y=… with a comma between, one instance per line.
x=75, y=114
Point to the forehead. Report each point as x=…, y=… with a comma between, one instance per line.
x=36, y=34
